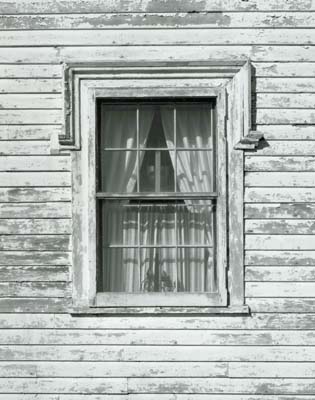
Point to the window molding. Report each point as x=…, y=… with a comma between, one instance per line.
x=84, y=84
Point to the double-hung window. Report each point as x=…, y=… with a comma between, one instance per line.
x=157, y=203
x=157, y=193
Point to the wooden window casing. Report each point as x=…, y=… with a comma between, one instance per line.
x=229, y=84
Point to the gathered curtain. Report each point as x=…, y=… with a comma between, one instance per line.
x=178, y=268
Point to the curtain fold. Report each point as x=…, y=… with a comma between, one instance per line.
x=121, y=271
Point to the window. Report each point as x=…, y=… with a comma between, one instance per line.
x=157, y=201
x=157, y=190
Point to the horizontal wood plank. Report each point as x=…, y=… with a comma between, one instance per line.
x=286, y=148
x=285, y=116
x=25, y=147
x=35, y=226
x=35, y=242
x=136, y=6
x=289, y=69
x=283, y=195
x=281, y=274
x=30, y=85
x=35, y=210
x=280, y=226
x=279, y=242
x=271, y=257
x=63, y=385
x=44, y=305
x=280, y=211
x=33, y=195
x=257, y=53
x=30, y=101
x=33, y=289
x=34, y=163
x=15, y=117
x=285, y=100
x=129, y=37
x=280, y=305
x=161, y=338
x=278, y=370
x=156, y=353
x=34, y=257
x=280, y=289
x=159, y=20
x=281, y=164
x=35, y=179
x=266, y=321
x=278, y=179
x=112, y=369
x=29, y=132
x=287, y=132
x=33, y=273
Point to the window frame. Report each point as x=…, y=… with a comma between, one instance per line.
x=175, y=299
x=84, y=84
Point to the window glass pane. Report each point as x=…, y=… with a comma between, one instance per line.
x=119, y=223
x=194, y=126
x=194, y=224
x=119, y=126
x=156, y=171
x=118, y=171
x=194, y=171
x=154, y=127
x=158, y=270
x=157, y=224
x=121, y=272
x=196, y=270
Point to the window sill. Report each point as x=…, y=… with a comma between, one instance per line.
x=241, y=310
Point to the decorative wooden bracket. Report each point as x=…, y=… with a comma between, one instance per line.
x=250, y=141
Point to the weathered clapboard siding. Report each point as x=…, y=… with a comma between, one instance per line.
x=51, y=355
x=96, y=6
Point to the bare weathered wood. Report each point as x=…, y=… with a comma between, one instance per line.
x=295, y=85
x=282, y=273
x=34, y=257
x=280, y=305
x=159, y=20
x=30, y=85
x=112, y=369
x=24, y=147
x=278, y=179
x=233, y=53
x=285, y=100
x=290, y=116
x=287, y=132
x=130, y=37
x=43, y=305
x=33, y=289
x=32, y=273
x=31, y=195
x=34, y=163
x=35, y=242
x=290, y=69
x=156, y=353
x=281, y=164
x=35, y=179
x=288, y=148
x=279, y=242
x=280, y=289
x=35, y=226
x=34, y=210
x=280, y=226
x=29, y=132
x=30, y=100
x=136, y=6
x=284, y=195
x=161, y=338
x=215, y=385
x=285, y=321
x=278, y=370
x=31, y=71
x=272, y=257
x=280, y=211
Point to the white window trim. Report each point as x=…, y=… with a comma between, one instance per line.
x=230, y=85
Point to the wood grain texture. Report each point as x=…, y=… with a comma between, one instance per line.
x=283, y=195
x=33, y=273
x=30, y=101
x=136, y=6
x=281, y=164
x=33, y=195
x=280, y=226
x=34, y=163
x=35, y=210
x=29, y=132
x=280, y=274
x=35, y=179
x=280, y=211
x=35, y=226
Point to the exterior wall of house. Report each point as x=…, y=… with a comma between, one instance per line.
x=44, y=350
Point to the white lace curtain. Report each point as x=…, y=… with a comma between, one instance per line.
x=130, y=269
